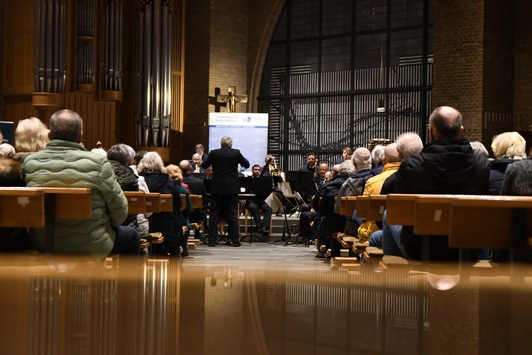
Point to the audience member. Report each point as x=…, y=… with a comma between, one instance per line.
x=518, y=179
x=7, y=150
x=120, y=155
x=31, y=135
x=406, y=144
x=507, y=147
x=224, y=188
x=328, y=221
x=347, y=153
x=142, y=224
x=66, y=163
x=377, y=158
x=196, y=186
x=151, y=167
x=12, y=239
x=447, y=165
x=175, y=173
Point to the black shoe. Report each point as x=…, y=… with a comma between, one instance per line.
x=264, y=231
x=236, y=244
x=212, y=244
x=228, y=243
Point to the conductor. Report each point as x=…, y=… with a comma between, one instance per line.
x=225, y=187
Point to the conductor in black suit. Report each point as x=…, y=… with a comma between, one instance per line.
x=225, y=187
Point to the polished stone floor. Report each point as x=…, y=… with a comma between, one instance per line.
x=259, y=298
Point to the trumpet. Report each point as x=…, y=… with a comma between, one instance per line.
x=275, y=171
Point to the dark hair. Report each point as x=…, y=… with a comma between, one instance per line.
x=139, y=155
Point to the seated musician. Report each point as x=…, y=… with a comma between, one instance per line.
x=258, y=204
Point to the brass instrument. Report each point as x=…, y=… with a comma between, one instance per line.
x=275, y=171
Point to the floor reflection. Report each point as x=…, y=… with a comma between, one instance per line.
x=124, y=306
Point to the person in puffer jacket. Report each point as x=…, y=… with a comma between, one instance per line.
x=65, y=163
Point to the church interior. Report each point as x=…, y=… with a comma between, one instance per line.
x=329, y=74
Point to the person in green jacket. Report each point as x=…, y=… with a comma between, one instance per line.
x=65, y=163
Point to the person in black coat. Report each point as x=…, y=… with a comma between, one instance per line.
x=225, y=187
x=151, y=167
x=447, y=165
x=196, y=187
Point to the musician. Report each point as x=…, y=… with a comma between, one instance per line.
x=311, y=163
x=225, y=187
x=256, y=205
x=270, y=169
x=200, y=150
x=196, y=163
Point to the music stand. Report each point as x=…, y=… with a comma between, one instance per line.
x=302, y=182
x=255, y=189
x=288, y=207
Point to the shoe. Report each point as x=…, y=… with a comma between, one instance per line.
x=264, y=231
x=228, y=243
x=236, y=244
x=211, y=244
x=320, y=255
x=184, y=254
x=278, y=215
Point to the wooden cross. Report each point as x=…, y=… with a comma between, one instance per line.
x=231, y=99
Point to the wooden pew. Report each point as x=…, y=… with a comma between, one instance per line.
x=136, y=201
x=22, y=207
x=376, y=207
x=38, y=207
x=362, y=206
x=140, y=202
x=197, y=201
x=496, y=222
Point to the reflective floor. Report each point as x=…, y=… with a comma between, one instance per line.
x=259, y=299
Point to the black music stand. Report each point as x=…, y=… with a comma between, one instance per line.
x=288, y=207
x=255, y=189
x=302, y=182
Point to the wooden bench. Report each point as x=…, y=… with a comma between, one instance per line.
x=38, y=207
x=470, y=221
x=496, y=222
x=140, y=202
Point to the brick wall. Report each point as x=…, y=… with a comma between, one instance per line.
x=459, y=60
x=197, y=43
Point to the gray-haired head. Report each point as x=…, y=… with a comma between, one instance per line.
x=66, y=125
x=121, y=153
x=361, y=158
x=408, y=143
x=226, y=142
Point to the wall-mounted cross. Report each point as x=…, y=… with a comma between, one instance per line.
x=231, y=99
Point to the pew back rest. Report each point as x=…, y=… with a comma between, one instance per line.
x=22, y=207
x=497, y=222
x=71, y=203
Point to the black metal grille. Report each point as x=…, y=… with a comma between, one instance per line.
x=323, y=82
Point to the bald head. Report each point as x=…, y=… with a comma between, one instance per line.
x=445, y=122
x=184, y=165
x=362, y=158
